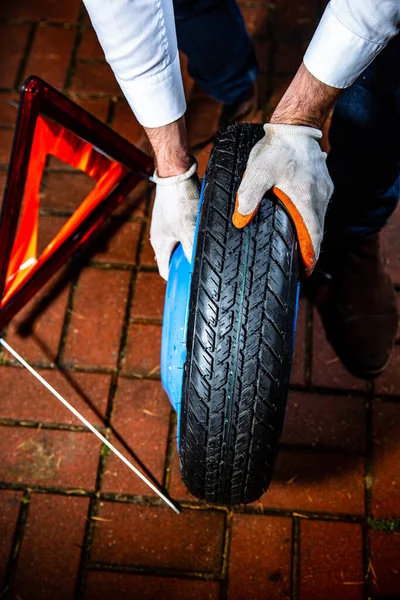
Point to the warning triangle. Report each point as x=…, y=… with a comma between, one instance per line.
x=49, y=123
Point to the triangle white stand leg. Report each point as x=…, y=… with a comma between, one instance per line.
x=89, y=426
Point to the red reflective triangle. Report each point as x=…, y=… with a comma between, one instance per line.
x=50, y=124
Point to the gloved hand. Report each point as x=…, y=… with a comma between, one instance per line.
x=174, y=216
x=289, y=160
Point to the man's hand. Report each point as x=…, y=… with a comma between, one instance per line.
x=177, y=193
x=290, y=161
x=174, y=216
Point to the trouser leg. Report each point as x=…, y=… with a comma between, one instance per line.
x=220, y=52
x=364, y=161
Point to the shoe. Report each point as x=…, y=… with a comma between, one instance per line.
x=355, y=298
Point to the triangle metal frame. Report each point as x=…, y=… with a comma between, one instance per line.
x=49, y=123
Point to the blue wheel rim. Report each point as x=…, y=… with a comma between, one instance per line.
x=175, y=322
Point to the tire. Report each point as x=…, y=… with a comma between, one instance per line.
x=242, y=313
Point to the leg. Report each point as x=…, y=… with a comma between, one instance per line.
x=358, y=305
x=220, y=53
x=364, y=161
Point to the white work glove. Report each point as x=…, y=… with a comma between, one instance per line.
x=174, y=216
x=289, y=160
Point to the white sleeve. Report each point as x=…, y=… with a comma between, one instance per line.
x=139, y=42
x=350, y=35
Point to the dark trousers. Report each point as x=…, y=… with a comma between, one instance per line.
x=364, y=161
x=220, y=52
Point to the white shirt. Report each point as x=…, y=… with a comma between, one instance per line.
x=139, y=41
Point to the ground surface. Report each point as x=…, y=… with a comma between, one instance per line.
x=74, y=522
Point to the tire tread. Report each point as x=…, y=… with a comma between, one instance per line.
x=240, y=335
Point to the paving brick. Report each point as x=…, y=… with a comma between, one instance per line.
x=191, y=541
x=260, y=556
x=48, y=228
x=117, y=242
x=51, y=54
x=35, y=331
x=142, y=354
x=85, y=19
x=325, y=421
x=389, y=381
x=8, y=112
x=147, y=257
x=66, y=190
x=95, y=78
x=188, y=82
x=126, y=124
x=256, y=18
x=56, y=164
x=331, y=561
x=317, y=482
x=202, y=158
x=6, y=139
x=103, y=586
x=262, y=48
x=149, y=295
x=386, y=460
x=22, y=397
x=385, y=561
x=9, y=509
x=42, y=457
x=257, y=118
x=135, y=202
x=327, y=370
x=141, y=417
x=299, y=353
x=51, y=548
x=13, y=40
x=391, y=245
x=46, y=10
x=296, y=20
x=89, y=46
x=263, y=87
x=202, y=117
x=288, y=56
x=98, y=108
x=98, y=312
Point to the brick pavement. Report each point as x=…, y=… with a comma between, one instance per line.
x=74, y=523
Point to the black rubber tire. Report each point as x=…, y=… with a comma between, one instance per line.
x=240, y=335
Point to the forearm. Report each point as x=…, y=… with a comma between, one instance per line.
x=307, y=101
x=171, y=148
